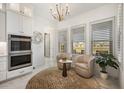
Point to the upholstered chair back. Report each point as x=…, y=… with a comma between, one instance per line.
x=83, y=58
x=62, y=56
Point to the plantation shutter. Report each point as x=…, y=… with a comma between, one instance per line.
x=62, y=41
x=119, y=29
x=102, y=31
x=78, y=34
x=62, y=36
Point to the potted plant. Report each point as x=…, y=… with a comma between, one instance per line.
x=105, y=60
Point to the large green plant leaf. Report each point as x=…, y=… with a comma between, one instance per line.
x=107, y=60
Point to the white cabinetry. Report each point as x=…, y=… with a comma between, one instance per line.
x=14, y=7
x=27, y=25
x=23, y=9
x=3, y=68
x=2, y=26
x=2, y=7
x=13, y=22
x=19, y=21
x=26, y=10
x=19, y=72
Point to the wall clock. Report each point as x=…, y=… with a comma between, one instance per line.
x=37, y=37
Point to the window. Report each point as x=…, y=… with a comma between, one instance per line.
x=78, y=40
x=102, y=37
x=62, y=41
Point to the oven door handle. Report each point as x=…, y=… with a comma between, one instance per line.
x=20, y=54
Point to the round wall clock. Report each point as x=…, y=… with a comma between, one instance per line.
x=37, y=37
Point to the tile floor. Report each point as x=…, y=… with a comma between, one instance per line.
x=21, y=82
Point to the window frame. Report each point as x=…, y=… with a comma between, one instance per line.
x=71, y=45
x=113, y=33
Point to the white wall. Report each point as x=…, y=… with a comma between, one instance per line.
x=42, y=25
x=103, y=12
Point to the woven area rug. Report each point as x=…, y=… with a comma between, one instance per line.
x=52, y=79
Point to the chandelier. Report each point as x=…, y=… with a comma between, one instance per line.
x=61, y=10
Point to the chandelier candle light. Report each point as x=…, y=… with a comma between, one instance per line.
x=61, y=10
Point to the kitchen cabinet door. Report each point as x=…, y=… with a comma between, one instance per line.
x=2, y=76
x=3, y=68
x=13, y=23
x=1, y=6
x=26, y=10
x=27, y=26
x=15, y=7
x=2, y=26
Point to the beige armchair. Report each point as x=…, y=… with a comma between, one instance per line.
x=61, y=56
x=84, y=65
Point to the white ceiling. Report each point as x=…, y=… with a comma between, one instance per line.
x=75, y=8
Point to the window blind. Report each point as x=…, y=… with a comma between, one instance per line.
x=78, y=34
x=102, y=31
x=120, y=29
x=62, y=41
x=62, y=36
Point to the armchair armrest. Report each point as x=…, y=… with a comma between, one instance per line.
x=91, y=63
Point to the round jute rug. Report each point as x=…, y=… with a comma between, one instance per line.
x=52, y=79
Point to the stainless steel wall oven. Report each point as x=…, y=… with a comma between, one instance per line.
x=20, y=54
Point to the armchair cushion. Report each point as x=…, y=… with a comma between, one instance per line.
x=84, y=66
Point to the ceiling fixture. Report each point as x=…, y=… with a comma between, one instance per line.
x=61, y=10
